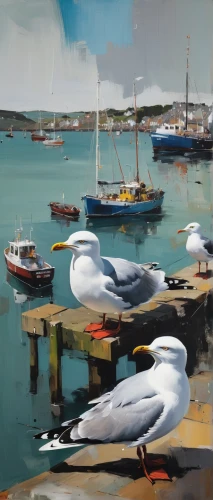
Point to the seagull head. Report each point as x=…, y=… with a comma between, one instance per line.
x=80, y=243
x=193, y=227
x=165, y=350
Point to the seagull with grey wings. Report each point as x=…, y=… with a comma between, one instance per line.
x=110, y=285
x=199, y=247
x=139, y=410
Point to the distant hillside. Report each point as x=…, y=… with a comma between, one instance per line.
x=13, y=115
x=34, y=115
x=14, y=119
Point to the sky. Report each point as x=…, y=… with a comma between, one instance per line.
x=51, y=52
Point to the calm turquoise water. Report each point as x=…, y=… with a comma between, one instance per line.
x=31, y=176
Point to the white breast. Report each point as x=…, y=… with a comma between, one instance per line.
x=87, y=284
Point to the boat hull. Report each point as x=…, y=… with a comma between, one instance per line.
x=35, y=278
x=98, y=207
x=53, y=143
x=38, y=138
x=70, y=211
x=172, y=142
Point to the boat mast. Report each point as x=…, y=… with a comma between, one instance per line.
x=187, y=81
x=40, y=122
x=97, y=135
x=54, y=128
x=136, y=133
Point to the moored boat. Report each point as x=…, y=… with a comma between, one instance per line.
x=40, y=135
x=64, y=209
x=23, y=262
x=54, y=141
x=133, y=198
x=175, y=137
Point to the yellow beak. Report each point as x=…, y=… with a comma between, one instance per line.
x=61, y=246
x=144, y=349
x=181, y=231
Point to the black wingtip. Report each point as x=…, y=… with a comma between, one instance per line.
x=178, y=284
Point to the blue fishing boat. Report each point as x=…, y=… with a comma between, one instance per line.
x=132, y=198
x=176, y=138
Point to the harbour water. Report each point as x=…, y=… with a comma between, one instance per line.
x=32, y=176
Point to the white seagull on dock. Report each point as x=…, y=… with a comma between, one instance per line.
x=139, y=410
x=198, y=247
x=110, y=285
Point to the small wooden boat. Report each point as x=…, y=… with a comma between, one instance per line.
x=39, y=136
x=23, y=262
x=64, y=209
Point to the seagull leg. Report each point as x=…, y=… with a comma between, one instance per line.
x=142, y=465
x=153, y=465
x=198, y=275
x=93, y=327
x=107, y=332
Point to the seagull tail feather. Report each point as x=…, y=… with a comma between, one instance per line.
x=64, y=440
x=178, y=284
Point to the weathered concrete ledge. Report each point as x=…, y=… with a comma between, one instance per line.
x=109, y=472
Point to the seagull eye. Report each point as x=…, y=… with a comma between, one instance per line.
x=191, y=227
x=81, y=241
x=165, y=348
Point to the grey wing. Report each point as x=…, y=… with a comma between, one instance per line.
x=208, y=245
x=131, y=282
x=121, y=424
x=127, y=391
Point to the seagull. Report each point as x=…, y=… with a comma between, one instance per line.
x=110, y=285
x=139, y=410
x=198, y=247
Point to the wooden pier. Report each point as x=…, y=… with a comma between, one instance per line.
x=173, y=311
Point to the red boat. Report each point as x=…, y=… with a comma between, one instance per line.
x=23, y=262
x=64, y=209
x=37, y=137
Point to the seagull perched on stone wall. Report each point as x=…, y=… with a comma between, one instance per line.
x=198, y=247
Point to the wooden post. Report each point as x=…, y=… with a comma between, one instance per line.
x=55, y=380
x=102, y=376
x=142, y=362
x=33, y=362
x=94, y=379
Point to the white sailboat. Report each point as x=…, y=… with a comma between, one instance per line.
x=55, y=140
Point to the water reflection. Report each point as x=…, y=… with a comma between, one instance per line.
x=166, y=157
x=23, y=292
x=64, y=220
x=133, y=230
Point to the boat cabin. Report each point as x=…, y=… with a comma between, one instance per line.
x=135, y=192
x=166, y=128
x=22, y=249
